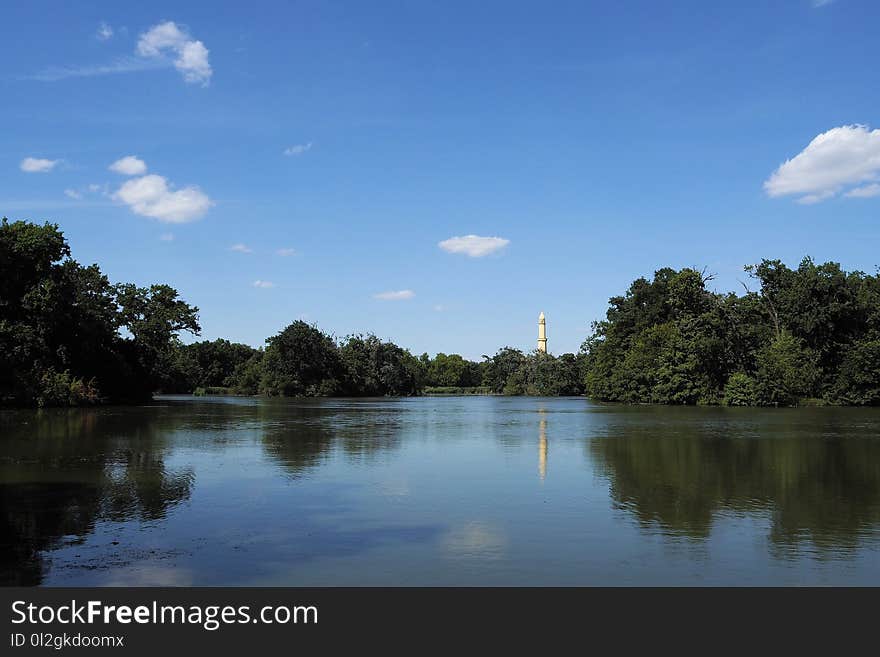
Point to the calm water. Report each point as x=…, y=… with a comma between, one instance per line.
x=474, y=490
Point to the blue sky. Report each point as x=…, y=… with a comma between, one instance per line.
x=598, y=141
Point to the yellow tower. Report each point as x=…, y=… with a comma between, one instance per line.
x=542, y=334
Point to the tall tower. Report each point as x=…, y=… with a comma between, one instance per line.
x=542, y=334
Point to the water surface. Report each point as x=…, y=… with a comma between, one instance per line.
x=438, y=491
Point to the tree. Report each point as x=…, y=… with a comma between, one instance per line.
x=568, y=375
x=207, y=364
x=377, y=368
x=247, y=376
x=671, y=341
x=154, y=317
x=301, y=361
x=858, y=381
x=499, y=369
x=60, y=323
x=741, y=390
x=452, y=370
x=787, y=371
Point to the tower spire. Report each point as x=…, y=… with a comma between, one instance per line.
x=542, y=333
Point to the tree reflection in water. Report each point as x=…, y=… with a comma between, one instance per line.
x=819, y=483
x=300, y=436
x=806, y=481
x=64, y=470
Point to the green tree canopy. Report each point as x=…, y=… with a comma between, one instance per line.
x=805, y=333
x=61, y=324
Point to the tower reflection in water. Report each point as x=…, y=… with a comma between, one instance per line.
x=542, y=444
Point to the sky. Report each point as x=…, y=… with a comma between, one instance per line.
x=438, y=173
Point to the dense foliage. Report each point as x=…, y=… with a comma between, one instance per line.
x=511, y=372
x=808, y=333
x=206, y=365
x=303, y=361
x=68, y=336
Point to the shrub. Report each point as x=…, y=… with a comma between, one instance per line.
x=741, y=390
x=787, y=371
x=61, y=389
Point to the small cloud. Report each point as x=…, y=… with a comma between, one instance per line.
x=812, y=199
x=121, y=65
x=37, y=165
x=867, y=191
x=838, y=158
x=94, y=188
x=392, y=295
x=263, y=284
x=104, y=32
x=151, y=196
x=821, y=3
x=473, y=245
x=298, y=149
x=164, y=44
x=439, y=308
x=167, y=237
x=130, y=165
x=191, y=55
x=72, y=193
x=241, y=248
x=286, y=252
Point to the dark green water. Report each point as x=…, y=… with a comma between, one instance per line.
x=473, y=490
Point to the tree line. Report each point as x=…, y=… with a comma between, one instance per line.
x=68, y=336
x=304, y=361
x=805, y=335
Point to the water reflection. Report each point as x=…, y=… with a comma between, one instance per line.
x=63, y=470
x=232, y=491
x=303, y=435
x=542, y=444
x=476, y=540
x=819, y=483
x=296, y=437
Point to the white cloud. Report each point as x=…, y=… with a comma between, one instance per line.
x=37, y=165
x=298, y=149
x=167, y=237
x=94, y=188
x=812, y=199
x=286, y=252
x=867, y=191
x=392, y=295
x=130, y=165
x=169, y=39
x=241, y=248
x=473, y=245
x=121, y=65
x=263, y=284
x=151, y=196
x=72, y=193
x=439, y=308
x=104, y=32
x=836, y=159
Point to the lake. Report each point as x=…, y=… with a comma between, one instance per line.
x=438, y=491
